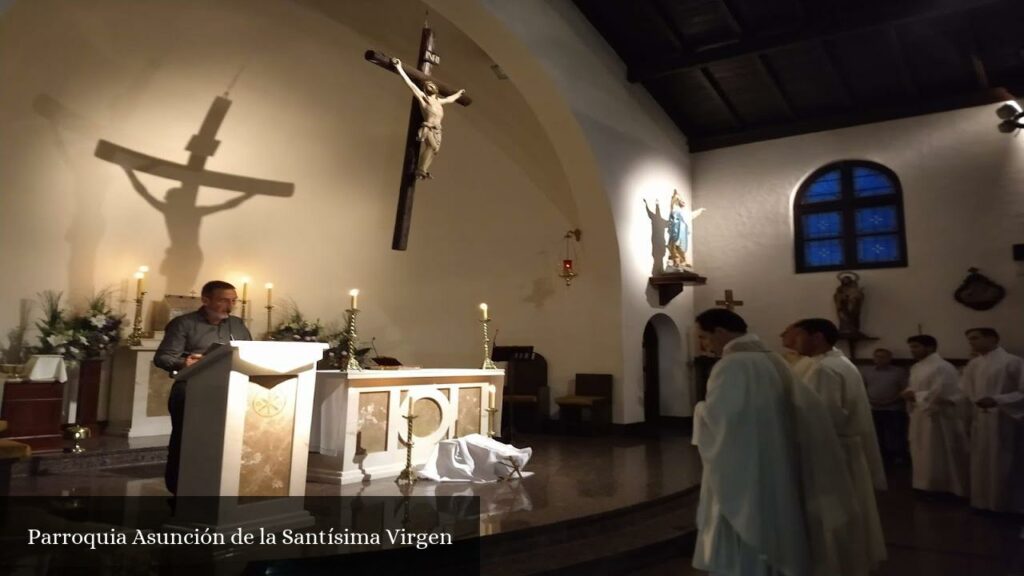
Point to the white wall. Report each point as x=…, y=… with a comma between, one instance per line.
x=639, y=152
x=306, y=109
x=963, y=186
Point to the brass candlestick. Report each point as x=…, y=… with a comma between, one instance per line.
x=270, y=312
x=490, y=421
x=488, y=364
x=408, y=477
x=245, y=314
x=135, y=338
x=353, y=363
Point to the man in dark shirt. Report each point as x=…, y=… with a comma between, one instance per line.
x=885, y=383
x=185, y=339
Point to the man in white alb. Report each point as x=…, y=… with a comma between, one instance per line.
x=938, y=432
x=994, y=382
x=839, y=384
x=762, y=437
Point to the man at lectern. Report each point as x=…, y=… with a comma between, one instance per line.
x=185, y=339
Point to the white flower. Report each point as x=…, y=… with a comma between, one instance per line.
x=56, y=339
x=98, y=321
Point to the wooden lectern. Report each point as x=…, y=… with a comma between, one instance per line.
x=246, y=433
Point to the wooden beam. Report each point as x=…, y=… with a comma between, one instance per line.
x=854, y=118
x=815, y=28
x=709, y=78
x=774, y=84
x=901, y=63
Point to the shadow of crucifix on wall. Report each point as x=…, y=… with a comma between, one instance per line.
x=181, y=211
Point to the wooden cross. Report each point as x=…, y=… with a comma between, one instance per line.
x=729, y=303
x=426, y=61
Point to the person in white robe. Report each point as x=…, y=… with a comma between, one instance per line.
x=994, y=382
x=938, y=431
x=799, y=363
x=773, y=482
x=839, y=384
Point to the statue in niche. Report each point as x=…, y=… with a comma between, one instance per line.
x=432, y=110
x=848, y=298
x=679, y=232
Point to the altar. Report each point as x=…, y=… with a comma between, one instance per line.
x=359, y=427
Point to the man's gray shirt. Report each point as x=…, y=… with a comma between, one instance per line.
x=192, y=333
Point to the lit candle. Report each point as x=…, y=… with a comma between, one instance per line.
x=138, y=283
x=143, y=268
x=483, y=311
x=270, y=293
x=493, y=396
x=354, y=293
x=245, y=288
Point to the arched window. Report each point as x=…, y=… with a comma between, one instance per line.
x=849, y=215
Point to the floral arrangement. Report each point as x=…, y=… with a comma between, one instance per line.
x=57, y=334
x=100, y=327
x=77, y=337
x=298, y=329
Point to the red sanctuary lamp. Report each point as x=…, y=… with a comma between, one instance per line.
x=568, y=272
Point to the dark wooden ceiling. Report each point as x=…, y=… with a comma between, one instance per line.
x=734, y=71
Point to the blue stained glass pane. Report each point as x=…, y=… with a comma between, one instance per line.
x=868, y=182
x=823, y=189
x=823, y=253
x=875, y=220
x=885, y=248
x=823, y=225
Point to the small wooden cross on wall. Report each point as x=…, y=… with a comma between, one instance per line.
x=729, y=303
x=420, y=75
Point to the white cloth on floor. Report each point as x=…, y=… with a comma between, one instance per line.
x=474, y=458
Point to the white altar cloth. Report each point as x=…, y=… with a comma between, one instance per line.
x=474, y=458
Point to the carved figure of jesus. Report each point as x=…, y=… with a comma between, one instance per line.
x=432, y=110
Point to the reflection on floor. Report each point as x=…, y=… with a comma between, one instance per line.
x=573, y=477
x=927, y=537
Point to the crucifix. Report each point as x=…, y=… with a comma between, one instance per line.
x=729, y=303
x=423, y=137
x=184, y=257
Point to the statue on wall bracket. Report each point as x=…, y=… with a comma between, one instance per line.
x=677, y=230
x=849, y=299
x=979, y=292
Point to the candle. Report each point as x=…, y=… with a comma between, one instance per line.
x=493, y=396
x=143, y=269
x=270, y=292
x=354, y=293
x=138, y=283
x=245, y=289
x=483, y=311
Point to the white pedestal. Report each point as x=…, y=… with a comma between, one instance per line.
x=358, y=427
x=138, y=393
x=246, y=433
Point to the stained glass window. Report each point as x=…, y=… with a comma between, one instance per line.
x=823, y=225
x=849, y=215
x=823, y=189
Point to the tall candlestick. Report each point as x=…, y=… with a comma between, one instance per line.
x=354, y=293
x=483, y=311
x=245, y=289
x=493, y=392
x=138, y=283
x=270, y=304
